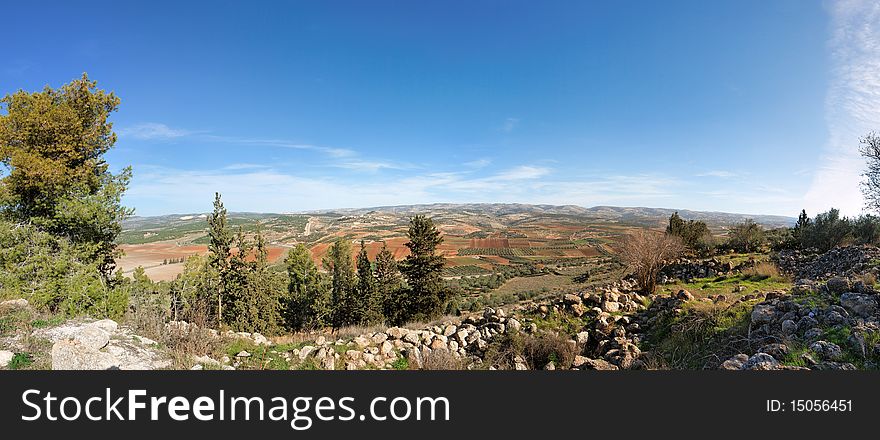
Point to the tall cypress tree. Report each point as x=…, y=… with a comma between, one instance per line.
x=218, y=251
x=368, y=298
x=308, y=299
x=389, y=286
x=427, y=295
x=343, y=284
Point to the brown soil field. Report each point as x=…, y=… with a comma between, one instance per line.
x=494, y=243
x=395, y=245
x=150, y=257
x=590, y=252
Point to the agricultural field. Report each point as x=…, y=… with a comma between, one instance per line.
x=479, y=240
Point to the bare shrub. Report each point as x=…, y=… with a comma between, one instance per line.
x=535, y=350
x=645, y=253
x=549, y=347
x=351, y=331
x=195, y=340
x=441, y=359
x=762, y=271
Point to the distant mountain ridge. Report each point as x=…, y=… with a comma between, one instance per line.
x=629, y=215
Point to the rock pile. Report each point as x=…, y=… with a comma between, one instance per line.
x=844, y=261
x=101, y=345
x=809, y=316
x=687, y=269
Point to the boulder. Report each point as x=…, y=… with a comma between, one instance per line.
x=827, y=350
x=72, y=355
x=514, y=324
x=19, y=303
x=585, y=363
x=93, y=337
x=838, y=285
x=789, y=327
x=761, y=361
x=778, y=351
x=108, y=325
x=5, y=357
x=859, y=304
x=736, y=362
x=684, y=295
x=763, y=314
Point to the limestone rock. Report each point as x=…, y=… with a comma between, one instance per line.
x=72, y=355
x=5, y=357
x=92, y=337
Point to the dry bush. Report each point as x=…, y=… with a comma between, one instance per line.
x=352, y=331
x=762, y=271
x=645, y=253
x=441, y=360
x=549, y=347
x=147, y=320
x=868, y=278
x=536, y=351
x=195, y=341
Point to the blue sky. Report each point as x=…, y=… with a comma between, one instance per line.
x=738, y=106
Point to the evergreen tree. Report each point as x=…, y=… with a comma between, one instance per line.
x=53, y=143
x=218, y=251
x=694, y=234
x=343, y=284
x=254, y=293
x=427, y=295
x=390, y=286
x=368, y=294
x=308, y=298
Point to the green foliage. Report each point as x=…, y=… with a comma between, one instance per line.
x=255, y=296
x=694, y=234
x=747, y=236
x=308, y=291
x=368, y=291
x=389, y=285
x=54, y=275
x=401, y=363
x=427, y=295
x=219, y=251
x=347, y=308
x=20, y=361
x=52, y=143
x=829, y=229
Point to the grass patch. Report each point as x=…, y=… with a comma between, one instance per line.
x=561, y=322
x=401, y=363
x=699, y=337
x=21, y=361
x=735, y=286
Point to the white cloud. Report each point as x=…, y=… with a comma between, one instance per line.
x=152, y=131
x=372, y=166
x=852, y=106
x=479, y=163
x=718, y=173
x=509, y=124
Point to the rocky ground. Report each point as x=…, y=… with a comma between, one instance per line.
x=821, y=323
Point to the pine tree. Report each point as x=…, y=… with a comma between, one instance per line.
x=427, y=295
x=343, y=284
x=390, y=286
x=218, y=251
x=368, y=295
x=52, y=147
x=308, y=299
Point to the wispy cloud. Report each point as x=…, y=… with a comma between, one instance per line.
x=509, y=124
x=152, y=131
x=479, y=163
x=722, y=174
x=852, y=105
x=372, y=166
